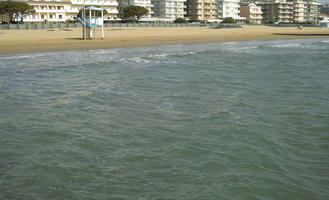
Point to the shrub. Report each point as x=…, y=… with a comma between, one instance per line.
x=228, y=20
x=180, y=20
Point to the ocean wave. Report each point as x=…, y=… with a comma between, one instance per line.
x=135, y=60
x=189, y=53
x=158, y=55
x=287, y=45
x=16, y=57
x=242, y=49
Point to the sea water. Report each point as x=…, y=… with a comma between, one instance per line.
x=236, y=120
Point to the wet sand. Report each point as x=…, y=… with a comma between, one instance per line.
x=17, y=41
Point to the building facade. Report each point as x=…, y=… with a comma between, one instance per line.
x=228, y=8
x=59, y=11
x=201, y=10
x=298, y=11
x=289, y=11
x=277, y=11
x=311, y=11
x=324, y=9
x=251, y=12
x=168, y=10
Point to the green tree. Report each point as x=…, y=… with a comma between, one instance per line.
x=15, y=9
x=134, y=11
x=228, y=20
x=180, y=20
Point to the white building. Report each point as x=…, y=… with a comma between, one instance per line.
x=311, y=9
x=289, y=11
x=168, y=10
x=228, y=8
x=51, y=11
x=298, y=11
x=59, y=11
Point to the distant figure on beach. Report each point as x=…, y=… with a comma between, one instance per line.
x=300, y=27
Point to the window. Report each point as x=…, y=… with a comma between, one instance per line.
x=42, y=17
x=58, y=7
x=50, y=16
x=60, y=16
x=42, y=7
x=33, y=16
x=25, y=16
x=50, y=7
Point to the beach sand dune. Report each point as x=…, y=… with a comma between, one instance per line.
x=15, y=41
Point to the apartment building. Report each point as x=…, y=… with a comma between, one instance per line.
x=168, y=10
x=311, y=11
x=298, y=11
x=251, y=12
x=228, y=8
x=289, y=11
x=277, y=11
x=143, y=3
x=59, y=11
x=46, y=10
x=201, y=10
x=324, y=9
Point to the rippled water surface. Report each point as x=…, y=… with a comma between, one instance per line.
x=242, y=120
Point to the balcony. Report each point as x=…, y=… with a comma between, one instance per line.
x=284, y=12
x=72, y=10
x=174, y=6
x=298, y=11
x=210, y=8
x=256, y=12
x=285, y=7
x=49, y=10
x=95, y=2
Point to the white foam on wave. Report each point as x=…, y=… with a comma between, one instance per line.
x=325, y=41
x=158, y=56
x=289, y=45
x=189, y=53
x=135, y=60
x=20, y=57
x=242, y=49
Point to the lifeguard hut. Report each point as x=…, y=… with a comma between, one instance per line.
x=90, y=21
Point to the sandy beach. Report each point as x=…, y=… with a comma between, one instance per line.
x=17, y=41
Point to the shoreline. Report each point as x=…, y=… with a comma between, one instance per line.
x=22, y=41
